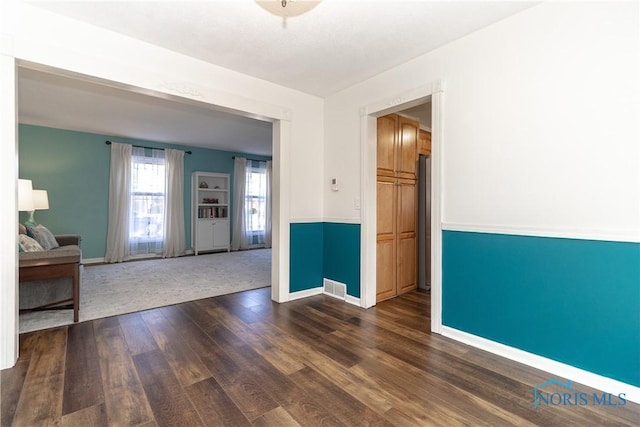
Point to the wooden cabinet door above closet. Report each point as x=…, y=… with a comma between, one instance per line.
x=397, y=146
x=387, y=135
x=407, y=151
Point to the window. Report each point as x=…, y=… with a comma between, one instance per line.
x=256, y=201
x=148, y=192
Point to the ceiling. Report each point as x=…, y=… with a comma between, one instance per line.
x=60, y=102
x=335, y=45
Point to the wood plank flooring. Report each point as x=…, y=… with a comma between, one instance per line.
x=241, y=360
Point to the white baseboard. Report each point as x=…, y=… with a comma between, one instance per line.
x=304, y=294
x=319, y=291
x=88, y=261
x=581, y=376
x=353, y=300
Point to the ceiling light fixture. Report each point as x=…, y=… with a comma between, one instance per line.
x=287, y=9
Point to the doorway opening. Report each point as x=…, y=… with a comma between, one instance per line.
x=279, y=136
x=429, y=94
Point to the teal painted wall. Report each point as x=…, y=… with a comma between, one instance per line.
x=341, y=255
x=573, y=301
x=305, y=259
x=324, y=250
x=74, y=169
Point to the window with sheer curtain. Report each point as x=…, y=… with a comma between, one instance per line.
x=255, y=202
x=252, y=204
x=148, y=194
x=146, y=203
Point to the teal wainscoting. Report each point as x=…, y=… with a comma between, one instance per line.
x=324, y=250
x=341, y=251
x=305, y=259
x=573, y=301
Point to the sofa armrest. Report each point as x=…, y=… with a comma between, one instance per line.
x=68, y=239
x=70, y=254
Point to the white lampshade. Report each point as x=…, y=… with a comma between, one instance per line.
x=40, y=199
x=25, y=195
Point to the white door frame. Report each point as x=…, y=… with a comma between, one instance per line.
x=368, y=161
x=9, y=214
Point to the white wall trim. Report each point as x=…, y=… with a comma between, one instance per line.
x=368, y=209
x=604, y=235
x=437, y=190
x=581, y=376
x=305, y=293
x=280, y=206
x=9, y=223
x=301, y=220
x=338, y=220
x=342, y=220
x=401, y=101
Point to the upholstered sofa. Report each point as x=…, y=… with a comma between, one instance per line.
x=50, y=279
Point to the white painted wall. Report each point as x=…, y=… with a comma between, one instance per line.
x=40, y=37
x=540, y=124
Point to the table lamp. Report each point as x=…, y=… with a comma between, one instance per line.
x=40, y=202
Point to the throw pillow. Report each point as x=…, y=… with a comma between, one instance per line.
x=28, y=244
x=43, y=236
x=22, y=229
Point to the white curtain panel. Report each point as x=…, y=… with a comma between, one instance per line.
x=119, y=201
x=267, y=226
x=175, y=242
x=239, y=240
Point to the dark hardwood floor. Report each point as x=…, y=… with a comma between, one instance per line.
x=241, y=360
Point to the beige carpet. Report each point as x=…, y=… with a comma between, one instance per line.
x=112, y=289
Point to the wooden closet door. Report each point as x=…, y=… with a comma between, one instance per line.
x=407, y=152
x=387, y=135
x=386, y=224
x=406, y=236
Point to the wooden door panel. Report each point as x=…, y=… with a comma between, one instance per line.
x=387, y=134
x=385, y=270
x=407, y=206
x=386, y=211
x=407, y=268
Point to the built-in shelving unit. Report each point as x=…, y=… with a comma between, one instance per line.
x=210, y=212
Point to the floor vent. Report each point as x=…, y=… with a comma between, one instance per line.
x=335, y=289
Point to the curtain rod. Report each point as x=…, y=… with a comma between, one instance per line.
x=142, y=146
x=253, y=160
